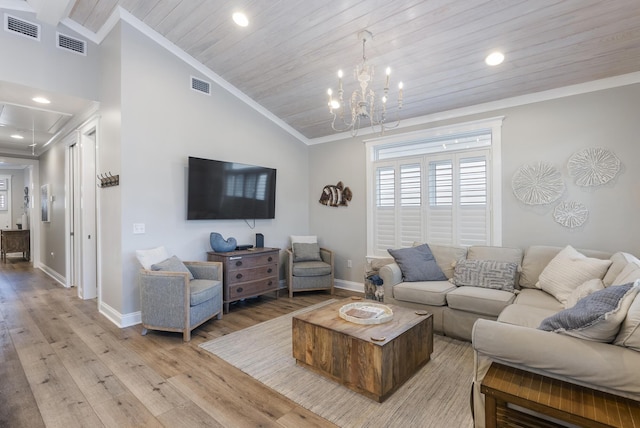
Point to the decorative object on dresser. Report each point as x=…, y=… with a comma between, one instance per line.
x=220, y=245
x=15, y=241
x=247, y=273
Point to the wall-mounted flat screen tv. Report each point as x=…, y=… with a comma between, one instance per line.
x=219, y=190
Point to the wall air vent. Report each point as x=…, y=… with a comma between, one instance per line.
x=200, y=86
x=71, y=44
x=21, y=27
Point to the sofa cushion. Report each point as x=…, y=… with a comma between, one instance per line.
x=630, y=273
x=583, y=290
x=539, y=299
x=597, y=317
x=172, y=264
x=306, y=252
x=537, y=257
x=446, y=256
x=203, y=290
x=417, y=264
x=312, y=268
x=619, y=261
x=484, y=301
x=486, y=274
x=629, y=335
x=502, y=254
x=567, y=270
x=523, y=315
x=432, y=293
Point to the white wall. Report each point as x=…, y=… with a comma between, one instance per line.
x=44, y=66
x=52, y=233
x=163, y=123
x=548, y=131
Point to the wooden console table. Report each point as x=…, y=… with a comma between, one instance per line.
x=247, y=273
x=15, y=241
x=561, y=400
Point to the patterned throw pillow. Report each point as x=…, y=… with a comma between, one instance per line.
x=485, y=273
x=418, y=264
x=597, y=317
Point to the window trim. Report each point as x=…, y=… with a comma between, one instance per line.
x=493, y=124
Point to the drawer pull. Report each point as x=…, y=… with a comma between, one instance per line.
x=239, y=263
x=238, y=276
x=269, y=270
x=270, y=283
x=239, y=289
x=270, y=259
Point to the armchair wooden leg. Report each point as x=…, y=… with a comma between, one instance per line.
x=186, y=335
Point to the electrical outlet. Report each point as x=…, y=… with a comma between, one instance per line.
x=349, y=264
x=138, y=228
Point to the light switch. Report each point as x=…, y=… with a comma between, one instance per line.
x=138, y=228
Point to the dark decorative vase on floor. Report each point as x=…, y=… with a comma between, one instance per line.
x=219, y=244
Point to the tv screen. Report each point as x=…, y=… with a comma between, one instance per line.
x=230, y=190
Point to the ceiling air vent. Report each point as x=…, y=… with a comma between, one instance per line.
x=200, y=86
x=70, y=44
x=21, y=27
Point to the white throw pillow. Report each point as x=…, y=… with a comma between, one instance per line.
x=629, y=273
x=567, y=270
x=152, y=256
x=629, y=335
x=302, y=239
x=583, y=290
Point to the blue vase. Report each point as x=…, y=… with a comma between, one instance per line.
x=219, y=244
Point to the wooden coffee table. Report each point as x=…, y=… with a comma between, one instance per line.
x=373, y=360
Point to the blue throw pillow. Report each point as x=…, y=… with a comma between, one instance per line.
x=418, y=264
x=596, y=317
x=172, y=264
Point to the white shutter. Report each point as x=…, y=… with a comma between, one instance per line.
x=385, y=215
x=439, y=212
x=473, y=210
x=410, y=216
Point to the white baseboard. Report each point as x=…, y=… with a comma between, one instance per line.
x=53, y=274
x=121, y=320
x=358, y=287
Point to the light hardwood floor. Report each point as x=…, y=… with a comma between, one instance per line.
x=62, y=364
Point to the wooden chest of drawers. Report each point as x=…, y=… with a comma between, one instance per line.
x=247, y=273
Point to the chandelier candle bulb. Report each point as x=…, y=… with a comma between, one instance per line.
x=386, y=85
x=330, y=92
x=339, y=80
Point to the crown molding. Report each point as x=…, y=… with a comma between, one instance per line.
x=552, y=94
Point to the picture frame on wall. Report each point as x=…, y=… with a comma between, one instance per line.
x=45, y=203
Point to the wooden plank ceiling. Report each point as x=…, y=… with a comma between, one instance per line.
x=289, y=54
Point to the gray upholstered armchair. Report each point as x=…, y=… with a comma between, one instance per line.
x=309, y=266
x=175, y=299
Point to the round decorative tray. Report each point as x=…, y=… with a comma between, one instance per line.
x=366, y=313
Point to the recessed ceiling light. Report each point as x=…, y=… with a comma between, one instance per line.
x=240, y=19
x=41, y=100
x=17, y=136
x=494, y=58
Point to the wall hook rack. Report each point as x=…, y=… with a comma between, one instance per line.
x=108, y=180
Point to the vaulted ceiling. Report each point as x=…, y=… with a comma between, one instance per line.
x=288, y=56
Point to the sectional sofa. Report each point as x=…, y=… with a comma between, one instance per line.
x=550, y=286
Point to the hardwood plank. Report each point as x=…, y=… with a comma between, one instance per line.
x=64, y=364
x=59, y=399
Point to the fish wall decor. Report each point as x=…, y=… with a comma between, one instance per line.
x=335, y=195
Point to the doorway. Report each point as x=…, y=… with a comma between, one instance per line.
x=82, y=245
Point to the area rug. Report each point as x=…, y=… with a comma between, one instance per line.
x=436, y=396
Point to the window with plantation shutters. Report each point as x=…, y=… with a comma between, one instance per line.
x=436, y=190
